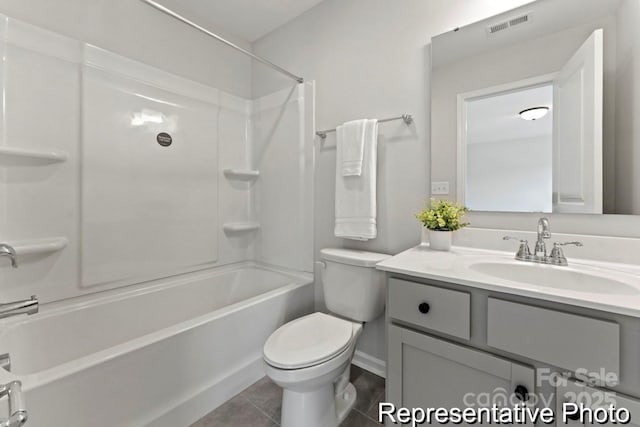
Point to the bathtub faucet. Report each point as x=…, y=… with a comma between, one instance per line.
x=9, y=252
x=27, y=306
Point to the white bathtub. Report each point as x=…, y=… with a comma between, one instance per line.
x=160, y=355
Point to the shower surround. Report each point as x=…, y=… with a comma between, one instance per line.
x=117, y=177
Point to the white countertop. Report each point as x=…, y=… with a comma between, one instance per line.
x=453, y=267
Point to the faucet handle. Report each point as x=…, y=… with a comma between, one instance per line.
x=575, y=243
x=557, y=251
x=523, y=250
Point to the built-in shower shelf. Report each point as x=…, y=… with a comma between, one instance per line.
x=39, y=246
x=242, y=174
x=237, y=227
x=51, y=156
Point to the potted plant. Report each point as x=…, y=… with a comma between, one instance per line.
x=441, y=218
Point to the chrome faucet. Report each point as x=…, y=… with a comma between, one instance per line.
x=9, y=252
x=27, y=306
x=544, y=232
x=556, y=257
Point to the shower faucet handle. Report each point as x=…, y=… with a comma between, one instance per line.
x=9, y=252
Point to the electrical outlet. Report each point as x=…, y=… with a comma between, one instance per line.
x=439, y=188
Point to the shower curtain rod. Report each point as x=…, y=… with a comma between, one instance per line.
x=181, y=18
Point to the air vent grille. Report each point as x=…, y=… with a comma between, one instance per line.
x=519, y=20
x=498, y=27
x=505, y=25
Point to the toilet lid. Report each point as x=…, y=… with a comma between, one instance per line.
x=307, y=341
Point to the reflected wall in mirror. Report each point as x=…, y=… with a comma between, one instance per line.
x=499, y=145
x=533, y=110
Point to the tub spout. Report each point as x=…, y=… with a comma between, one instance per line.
x=27, y=306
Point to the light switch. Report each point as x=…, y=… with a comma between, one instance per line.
x=439, y=188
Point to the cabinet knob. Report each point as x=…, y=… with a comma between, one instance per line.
x=522, y=393
x=424, y=308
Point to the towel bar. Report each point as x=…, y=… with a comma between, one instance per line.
x=407, y=118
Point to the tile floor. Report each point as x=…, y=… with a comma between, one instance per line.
x=259, y=405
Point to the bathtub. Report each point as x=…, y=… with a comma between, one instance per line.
x=162, y=354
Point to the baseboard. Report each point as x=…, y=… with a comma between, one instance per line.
x=202, y=403
x=205, y=401
x=370, y=363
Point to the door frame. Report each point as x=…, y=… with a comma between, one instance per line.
x=461, y=161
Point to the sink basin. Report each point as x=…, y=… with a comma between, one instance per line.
x=566, y=278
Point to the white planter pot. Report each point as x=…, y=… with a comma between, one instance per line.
x=440, y=240
x=424, y=241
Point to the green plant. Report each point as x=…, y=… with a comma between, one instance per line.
x=442, y=215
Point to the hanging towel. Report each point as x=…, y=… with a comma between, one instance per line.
x=350, y=138
x=356, y=195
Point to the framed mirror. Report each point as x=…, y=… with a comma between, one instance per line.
x=534, y=110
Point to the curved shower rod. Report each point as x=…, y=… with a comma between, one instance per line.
x=192, y=24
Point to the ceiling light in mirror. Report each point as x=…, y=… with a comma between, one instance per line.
x=534, y=113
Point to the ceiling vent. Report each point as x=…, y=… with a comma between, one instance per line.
x=498, y=27
x=519, y=20
x=512, y=22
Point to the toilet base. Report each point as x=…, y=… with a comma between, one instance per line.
x=345, y=402
x=317, y=408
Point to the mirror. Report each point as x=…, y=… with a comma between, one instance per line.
x=533, y=110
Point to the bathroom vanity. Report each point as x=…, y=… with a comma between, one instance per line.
x=473, y=327
x=476, y=327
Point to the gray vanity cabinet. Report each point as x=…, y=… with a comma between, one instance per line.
x=427, y=372
x=455, y=346
x=431, y=307
x=553, y=337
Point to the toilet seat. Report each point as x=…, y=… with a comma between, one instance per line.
x=308, y=341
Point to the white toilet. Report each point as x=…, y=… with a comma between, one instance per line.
x=310, y=357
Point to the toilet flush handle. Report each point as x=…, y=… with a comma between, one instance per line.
x=323, y=268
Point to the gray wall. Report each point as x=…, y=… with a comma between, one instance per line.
x=371, y=58
x=132, y=29
x=628, y=99
x=495, y=169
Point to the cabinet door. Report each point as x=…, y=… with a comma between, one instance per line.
x=426, y=372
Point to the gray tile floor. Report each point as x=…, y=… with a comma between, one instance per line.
x=259, y=405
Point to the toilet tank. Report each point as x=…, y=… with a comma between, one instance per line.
x=353, y=288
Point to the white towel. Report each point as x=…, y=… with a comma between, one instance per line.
x=356, y=195
x=350, y=141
